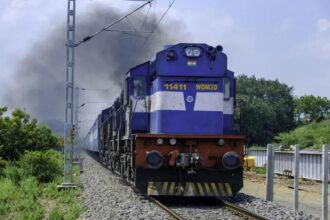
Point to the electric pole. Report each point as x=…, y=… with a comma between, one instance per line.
x=69, y=130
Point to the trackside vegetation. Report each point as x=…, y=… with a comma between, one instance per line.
x=266, y=111
x=30, y=172
x=264, y=108
x=310, y=136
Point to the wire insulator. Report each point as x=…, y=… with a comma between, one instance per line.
x=86, y=38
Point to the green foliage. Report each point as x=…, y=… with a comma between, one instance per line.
x=14, y=173
x=19, y=202
x=22, y=196
x=20, y=133
x=3, y=164
x=44, y=166
x=29, y=186
x=56, y=214
x=260, y=170
x=67, y=198
x=311, y=108
x=311, y=136
x=264, y=108
x=74, y=211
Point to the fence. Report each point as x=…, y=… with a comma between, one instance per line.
x=310, y=166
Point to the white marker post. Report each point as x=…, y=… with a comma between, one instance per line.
x=325, y=179
x=270, y=173
x=296, y=177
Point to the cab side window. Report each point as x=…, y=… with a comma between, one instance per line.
x=226, y=88
x=139, y=87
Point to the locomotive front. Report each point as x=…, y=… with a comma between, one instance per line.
x=179, y=120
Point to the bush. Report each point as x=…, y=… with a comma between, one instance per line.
x=45, y=166
x=3, y=164
x=20, y=201
x=8, y=194
x=23, y=196
x=19, y=133
x=30, y=187
x=311, y=136
x=14, y=173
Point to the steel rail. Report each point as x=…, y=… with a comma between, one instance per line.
x=241, y=210
x=165, y=208
x=150, y=198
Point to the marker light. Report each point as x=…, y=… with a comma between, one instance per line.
x=160, y=141
x=221, y=142
x=193, y=51
x=172, y=141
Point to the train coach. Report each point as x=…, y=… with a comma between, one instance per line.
x=170, y=132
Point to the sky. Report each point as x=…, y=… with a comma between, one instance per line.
x=273, y=39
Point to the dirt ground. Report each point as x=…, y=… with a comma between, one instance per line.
x=310, y=192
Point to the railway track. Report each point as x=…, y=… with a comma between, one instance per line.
x=243, y=211
x=239, y=211
x=116, y=201
x=235, y=209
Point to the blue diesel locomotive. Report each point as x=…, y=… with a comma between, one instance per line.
x=170, y=133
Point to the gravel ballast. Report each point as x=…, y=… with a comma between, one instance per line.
x=205, y=212
x=105, y=196
x=267, y=209
x=261, y=207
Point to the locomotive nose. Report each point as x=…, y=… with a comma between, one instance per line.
x=230, y=160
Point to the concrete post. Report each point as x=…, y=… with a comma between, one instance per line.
x=325, y=179
x=270, y=173
x=296, y=177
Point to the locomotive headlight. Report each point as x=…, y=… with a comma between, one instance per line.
x=160, y=141
x=231, y=160
x=193, y=51
x=154, y=159
x=172, y=141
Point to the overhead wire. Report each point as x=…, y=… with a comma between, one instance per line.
x=131, y=32
x=159, y=21
x=145, y=18
x=87, y=38
x=131, y=24
x=135, y=32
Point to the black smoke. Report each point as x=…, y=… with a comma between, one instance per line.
x=100, y=63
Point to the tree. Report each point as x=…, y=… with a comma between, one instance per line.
x=264, y=108
x=20, y=133
x=310, y=108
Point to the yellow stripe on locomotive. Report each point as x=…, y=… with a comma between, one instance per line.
x=189, y=189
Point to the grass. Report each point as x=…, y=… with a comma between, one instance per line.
x=23, y=197
x=260, y=170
